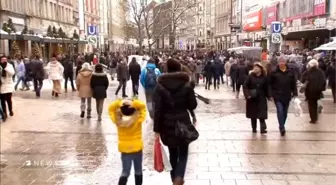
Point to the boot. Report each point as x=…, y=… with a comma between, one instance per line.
x=122, y=181
x=178, y=181
x=82, y=114
x=138, y=179
x=254, y=127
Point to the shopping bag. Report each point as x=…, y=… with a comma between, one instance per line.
x=158, y=161
x=297, y=107
x=166, y=163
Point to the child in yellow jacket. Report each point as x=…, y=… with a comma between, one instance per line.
x=128, y=115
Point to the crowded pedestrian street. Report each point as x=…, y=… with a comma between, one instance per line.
x=46, y=143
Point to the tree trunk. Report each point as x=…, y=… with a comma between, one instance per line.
x=149, y=47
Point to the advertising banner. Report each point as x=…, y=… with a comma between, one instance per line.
x=271, y=14
x=319, y=7
x=253, y=21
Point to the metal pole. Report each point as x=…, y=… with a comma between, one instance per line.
x=241, y=19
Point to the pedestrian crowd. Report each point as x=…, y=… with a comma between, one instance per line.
x=169, y=80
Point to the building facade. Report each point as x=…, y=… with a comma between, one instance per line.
x=162, y=25
x=223, y=20
x=38, y=15
x=116, y=24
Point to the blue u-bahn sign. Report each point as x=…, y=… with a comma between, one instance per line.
x=276, y=27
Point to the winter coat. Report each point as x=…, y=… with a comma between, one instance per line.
x=28, y=70
x=21, y=70
x=192, y=67
x=199, y=68
x=216, y=69
x=316, y=83
x=227, y=67
x=241, y=73
x=331, y=72
x=37, y=69
x=208, y=71
x=129, y=134
x=134, y=71
x=83, y=83
x=256, y=107
x=144, y=73
x=7, y=84
x=122, y=72
x=173, y=98
x=283, y=85
x=99, y=84
x=55, y=70
x=233, y=71
x=68, y=67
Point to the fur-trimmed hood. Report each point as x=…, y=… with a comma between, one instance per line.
x=174, y=81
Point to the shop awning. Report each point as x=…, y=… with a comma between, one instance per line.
x=327, y=47
x=309, y=34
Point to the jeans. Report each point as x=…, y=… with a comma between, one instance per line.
x=86, y=102
x=6, y=99
x=24, y=83
x=233, y=84
x=282, y=112
x=66, y=78
x=127, y=159
x=122, y=84
x=38, y=84
x=178, y=157
x=222, y=78
x=216, y=81
x=135, y=86
x=99, y=107
x=149, y=102
x=312, y=107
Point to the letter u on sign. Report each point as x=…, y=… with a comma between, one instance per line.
x=92, y=30
x=276, y=27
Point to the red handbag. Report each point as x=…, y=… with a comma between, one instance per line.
x=158, y=161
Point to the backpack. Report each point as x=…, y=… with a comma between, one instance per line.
x=150, y=78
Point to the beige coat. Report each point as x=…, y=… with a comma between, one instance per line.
x=227, y=67
x=83, y=83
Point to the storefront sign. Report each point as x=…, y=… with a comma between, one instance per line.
x=272, y=14
x=319, y=7
x=254, y=21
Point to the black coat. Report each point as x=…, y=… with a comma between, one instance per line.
x=208, y=70
x=283, y=85
x=233, y=71
x=331, y=72
x=173, y=99
x=316, y=83
x=99, y=85
x=37, y=70
x=241, y=73
x=68, y=67
x=217, y=69
x=256, y=107
x=134, y=70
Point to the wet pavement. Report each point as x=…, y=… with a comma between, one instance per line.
x=46, y=143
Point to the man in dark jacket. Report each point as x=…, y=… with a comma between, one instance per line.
x=217, y=68
x=37, y=73
x=68, y=65
x=122, y=76
x=241, y=74
x=208, y=74
x=134, y=71
x=331, y=74
x=233, y=74
x=283, y=88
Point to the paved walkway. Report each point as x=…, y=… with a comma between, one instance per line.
x=46, y=143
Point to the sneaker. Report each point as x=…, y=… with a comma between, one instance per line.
x=82, y=114
x=124, y=96
x=263, y=132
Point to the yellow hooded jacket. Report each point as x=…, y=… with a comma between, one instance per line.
x=130, y=137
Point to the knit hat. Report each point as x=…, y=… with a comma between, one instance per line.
x=173, y=66
x=313, y=63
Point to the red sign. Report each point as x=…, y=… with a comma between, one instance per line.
x=254, y=21
x=319, y=7
x=271, y=14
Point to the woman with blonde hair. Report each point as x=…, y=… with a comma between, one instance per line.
x=55, y=73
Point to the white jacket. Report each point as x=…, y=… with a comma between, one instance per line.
x=55, y=70
x=7, y=83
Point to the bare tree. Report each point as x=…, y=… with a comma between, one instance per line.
x=135, y=10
